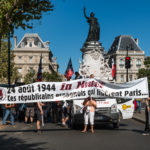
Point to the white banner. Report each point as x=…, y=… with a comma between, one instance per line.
x=71, y=90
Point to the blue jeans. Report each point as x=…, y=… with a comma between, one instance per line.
x=7, y=113
x=138, y=105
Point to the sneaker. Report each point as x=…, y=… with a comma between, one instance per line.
x=66, y=126
x=145, y=134
x=63, y=124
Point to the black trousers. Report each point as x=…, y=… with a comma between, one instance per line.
x=147, y=118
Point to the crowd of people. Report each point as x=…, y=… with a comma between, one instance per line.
x=55, y=112
x=137, y=105
x=59, y=112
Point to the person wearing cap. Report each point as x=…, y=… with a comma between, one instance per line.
x=89, y=112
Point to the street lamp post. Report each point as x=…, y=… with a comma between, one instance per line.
x=127, y=48
x=9, y=68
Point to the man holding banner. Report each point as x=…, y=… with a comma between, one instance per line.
x=9, y=111
x=89, y=112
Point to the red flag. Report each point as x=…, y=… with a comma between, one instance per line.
x=113, y=69
x=1, y=94
x=39, y=74
x=69, y=71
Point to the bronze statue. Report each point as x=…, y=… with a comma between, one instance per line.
x=94, y=29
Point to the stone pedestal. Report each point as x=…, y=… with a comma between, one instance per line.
x=93, y=61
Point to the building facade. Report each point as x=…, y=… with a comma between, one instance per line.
x=28, y=52
x=122, y=46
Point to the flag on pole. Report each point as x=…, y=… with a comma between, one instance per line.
x=39, y=74
x=69, y=71
x=1, y=94
x=113, y=69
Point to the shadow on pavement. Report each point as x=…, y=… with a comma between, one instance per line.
x=138, y=131
x=6, y=131
x=109, y=126
x=11, y=143
x=79, y=128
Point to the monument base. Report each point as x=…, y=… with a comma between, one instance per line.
x=93, y=61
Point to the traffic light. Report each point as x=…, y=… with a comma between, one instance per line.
x=127, y=62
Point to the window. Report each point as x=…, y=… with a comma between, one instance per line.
x=130, y=77
x=138, y=63
x=22, y=44
x=121, y=63
x=19, y=70
x=122, y=100
x=131, y=63
x=122, y=78
x=20, y=58
x=30, y=59
x=30, y=44
x=39, y=45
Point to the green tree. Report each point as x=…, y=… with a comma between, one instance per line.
x=31, y=77
x=145, y=72
x=51, y=77
x=19, y=13
x=4, y=64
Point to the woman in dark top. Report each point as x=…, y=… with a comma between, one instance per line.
x=147, y=116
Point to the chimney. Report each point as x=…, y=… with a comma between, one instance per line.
x=137, y=41
x=15, y=41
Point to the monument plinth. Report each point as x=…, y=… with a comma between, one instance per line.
x=93, y=61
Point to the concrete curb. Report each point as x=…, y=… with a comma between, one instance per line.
x=138, y=119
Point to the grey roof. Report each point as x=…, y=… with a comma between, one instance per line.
x=122, y=42
x=36, y=40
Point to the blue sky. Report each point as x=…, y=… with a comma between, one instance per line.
x=67, y=29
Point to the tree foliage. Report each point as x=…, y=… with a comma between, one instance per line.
x=31, y=77
x=147, y=63
x=4, y=64
x=15, y=14
x=145, y=72
x=53, y=77
x=18, y=13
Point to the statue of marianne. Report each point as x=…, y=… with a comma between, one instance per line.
x=94, y=30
